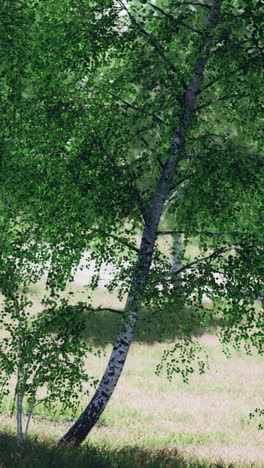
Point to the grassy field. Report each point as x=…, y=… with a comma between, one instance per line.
x=151, y=422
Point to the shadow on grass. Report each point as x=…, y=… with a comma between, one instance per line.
x=44, y=454
x=102, y=327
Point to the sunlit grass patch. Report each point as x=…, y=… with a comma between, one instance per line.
x=148, y=418
x=207, y=419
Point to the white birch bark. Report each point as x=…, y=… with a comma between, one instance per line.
x=19, y=396
x=20, y=383
x=80, y=429
x=177, y=249
x=30, y=412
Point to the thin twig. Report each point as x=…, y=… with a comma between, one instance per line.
x=174, y=20
x=257, y=158
x=211, y=83
x=128, y=104
x=150, y=39
x=149, y=147
x=86, y=309
x=186, y=156
x=219, y=99
x=145, y=142
x=121, y=241
x=160, y=163
x=208, y=233
x=118, y=169
x=192, y=3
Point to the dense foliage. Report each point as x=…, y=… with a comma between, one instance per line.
x=94, y=97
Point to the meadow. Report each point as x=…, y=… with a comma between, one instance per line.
x=149, y=421
x=152, y=422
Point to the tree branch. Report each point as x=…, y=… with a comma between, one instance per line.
x=257, y=158
x=174, y=195
x=127, y=244
x=192, y=3
x=208, y=233
x=186, y=156
x=205, y=135
x=118, y=169
x=150, y=39
x=99, y=309
x=128, y=104
x=121, y=241
x=211, y=83
x=173, y=20
x=118, y=98
x=189, y=265
x=160, y=162
x=217, y=100
x=145, y=142
x=149, y=147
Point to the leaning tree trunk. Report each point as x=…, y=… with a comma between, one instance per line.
x=90, y=416
x=80, y=429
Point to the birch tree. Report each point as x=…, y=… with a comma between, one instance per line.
x=186, y=102
x=115, y=108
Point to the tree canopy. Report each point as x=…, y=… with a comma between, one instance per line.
x=118, y=116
